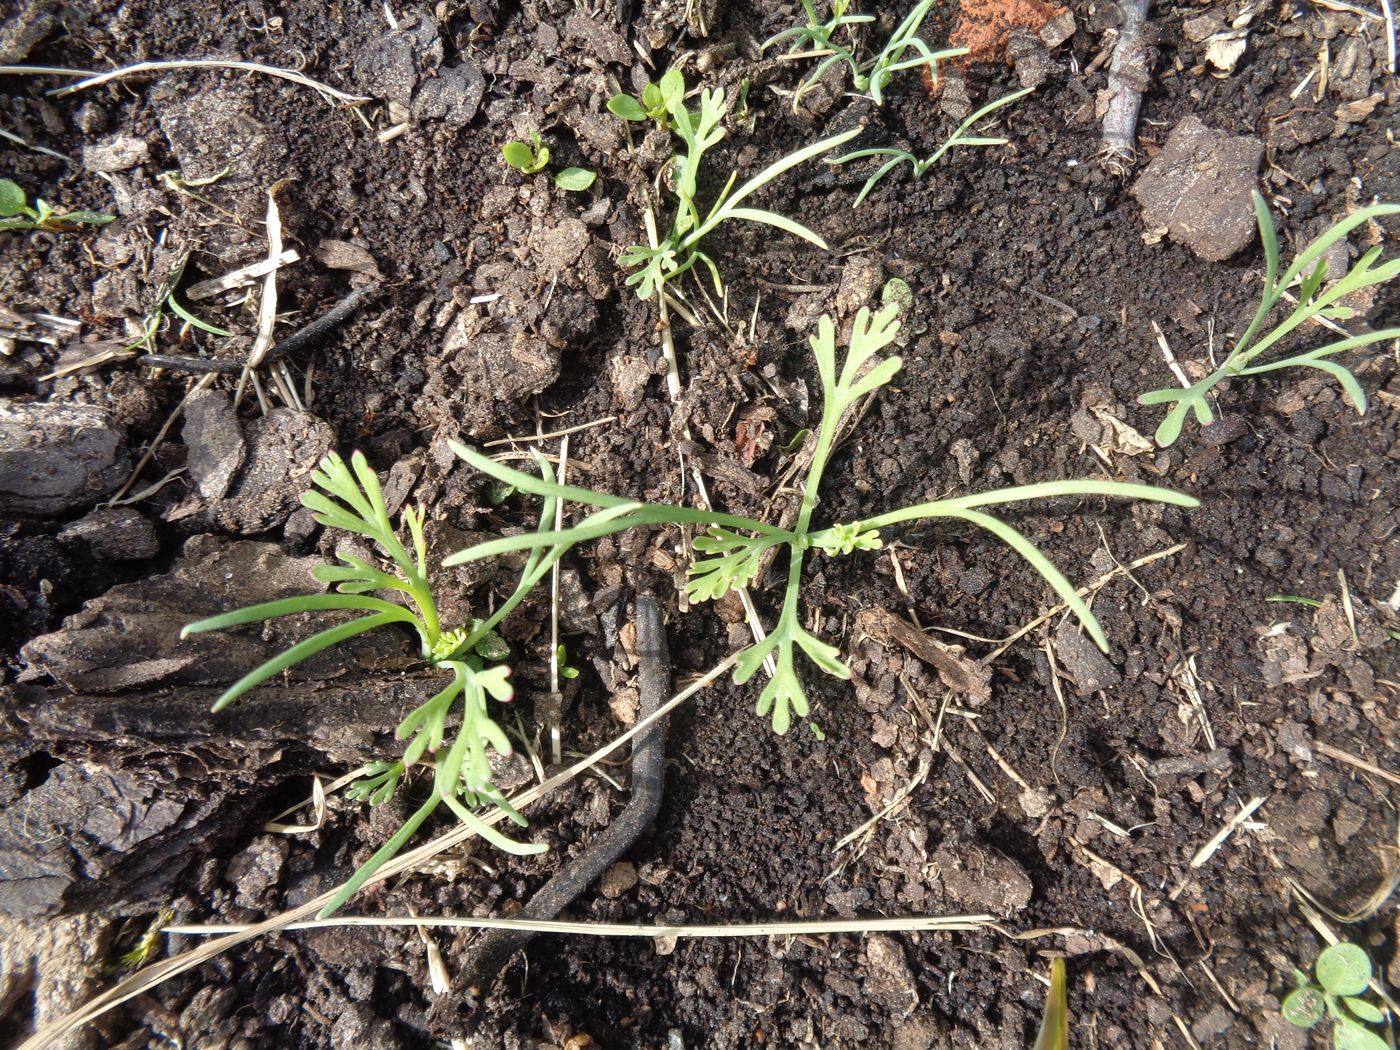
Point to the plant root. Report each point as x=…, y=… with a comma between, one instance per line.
x=1129, y=75
x=491, y=953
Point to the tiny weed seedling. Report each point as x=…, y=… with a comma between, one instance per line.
x=527, y=158
x=1314, y=300
x=349, y=498
x=17, y=214
x=731, y=549
x=872, y=76
x=1342, y=974
x=656, y=102
x=960, y=138
x=533, y=157
x=680, y=250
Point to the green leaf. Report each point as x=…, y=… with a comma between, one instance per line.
x=12, y=198
x=1364, y=1010
x=91, y=218
x=204, y=326
x=1304, y=1007
x=781, y=222
x=671, y=88
x=777, y=168
x=1054, y=1023
x=1343, y=969
x=299, y=652
x=518, y=155
x=1350, y=1035
x=626, y=107
x=291, y=606
x=575, y=179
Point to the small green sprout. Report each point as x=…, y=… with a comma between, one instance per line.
x=680, y=250
x=525, y=158
x=731, y=549
x=17, y=214
x=817, y=731
x=1343, y=973
x=959, y=139
x=1314, y=301
x=561, y=656
x=349, y=498
x=870, y=77
x=658, y=100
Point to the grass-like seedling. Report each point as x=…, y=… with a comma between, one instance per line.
x=349, y=498
x=959, y=138
x=16, y=213
x=1315, y=299
x=872, y=76
x=1343, y=973
x=1054, y=1022
x=731, y=549
x=698, y=132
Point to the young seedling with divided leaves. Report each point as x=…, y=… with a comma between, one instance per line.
x=1315, y=299
x=872, y=76
x=680, y=250
x=17, y=214
x=731, y=549
x=1343, y=974
x=960, y=138
x=349, y=498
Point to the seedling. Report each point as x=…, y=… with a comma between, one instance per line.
x=532, y=158
x=960, y=138
x=731, y=548
x=17, y=214
x=680, y=250
x=561, y=657
x=873, y=76
x=1314, y=301
x=1343, y=972
x=656, y=102
x=526, y=158
x=1054, y=1023
x=349, y=498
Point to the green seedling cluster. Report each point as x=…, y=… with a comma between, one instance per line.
x=699, y=131
x=16, y=213
x=959, y=139
x=731, y=550
x=1342, y=974
x=1314, y=300
x=873, y=75
x=657, y=101
x=349, y=498
x=530, y=158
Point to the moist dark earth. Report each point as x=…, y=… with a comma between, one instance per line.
x=1067, y=800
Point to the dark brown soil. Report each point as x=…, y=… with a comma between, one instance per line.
x=1059, y=807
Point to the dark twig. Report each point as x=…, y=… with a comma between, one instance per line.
x=299, y=340
x=495, y=947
